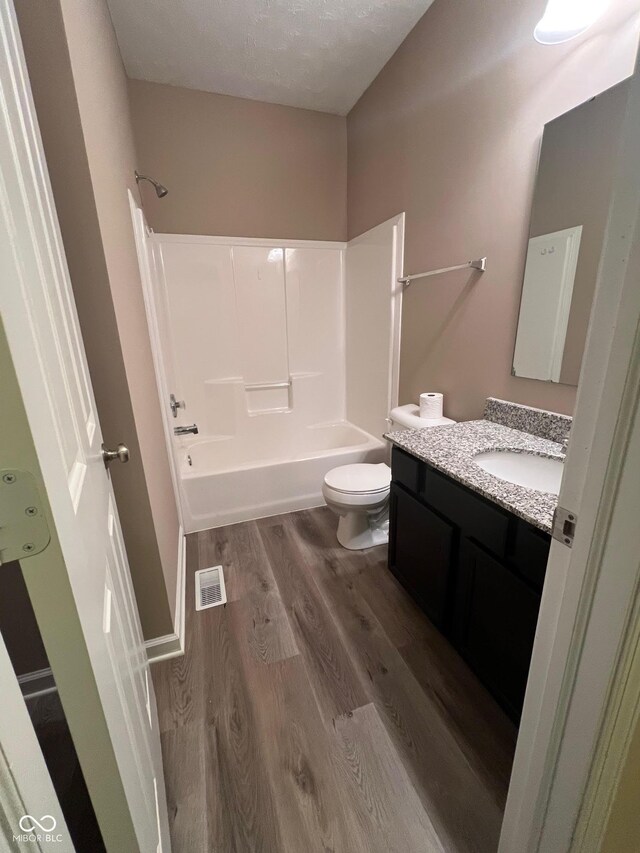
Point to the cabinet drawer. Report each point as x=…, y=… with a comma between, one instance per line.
x=477, y=518
x=406, y=470
x=531, y=552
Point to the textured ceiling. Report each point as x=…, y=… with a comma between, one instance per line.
x=318, y=54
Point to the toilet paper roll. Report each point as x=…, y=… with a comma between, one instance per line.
x=431, y=404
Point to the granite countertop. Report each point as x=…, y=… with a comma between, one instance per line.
x=450, y=449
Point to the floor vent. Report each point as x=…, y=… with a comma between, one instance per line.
x=210, y=589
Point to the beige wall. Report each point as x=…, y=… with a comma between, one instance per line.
x=236, y=167
x=573, y=187
x=450, y=132
x=81, y=99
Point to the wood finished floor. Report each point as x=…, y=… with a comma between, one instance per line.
x=320, y=710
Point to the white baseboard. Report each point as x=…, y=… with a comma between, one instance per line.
x=172, y=645
x=37, y=683
x=163, y=648
x=181, y=586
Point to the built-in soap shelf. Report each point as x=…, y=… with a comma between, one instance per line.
x=267, y=398
x=261, y=398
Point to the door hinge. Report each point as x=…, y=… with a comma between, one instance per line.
x=564, y=525
x=23, y=527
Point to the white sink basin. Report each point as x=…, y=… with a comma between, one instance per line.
x=523, y=469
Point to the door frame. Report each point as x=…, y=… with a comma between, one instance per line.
x=586, y=614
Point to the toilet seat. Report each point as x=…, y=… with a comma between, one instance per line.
x=355, y=500
x=361, y=479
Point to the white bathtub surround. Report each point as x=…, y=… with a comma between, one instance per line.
x=252, y=325
x=267, y=341
x=373, y=301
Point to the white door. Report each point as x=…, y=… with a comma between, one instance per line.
x=38, y=312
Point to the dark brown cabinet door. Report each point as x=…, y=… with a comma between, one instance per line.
x=495, y=616
x=420, y=553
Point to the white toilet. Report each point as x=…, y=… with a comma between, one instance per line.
x=359, y=494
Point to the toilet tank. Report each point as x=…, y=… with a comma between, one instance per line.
x=408, y=417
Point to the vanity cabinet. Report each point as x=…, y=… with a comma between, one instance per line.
x=475, y=569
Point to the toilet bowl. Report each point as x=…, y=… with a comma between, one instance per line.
x=359, y=495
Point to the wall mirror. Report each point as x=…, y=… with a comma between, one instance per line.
x=568, y=221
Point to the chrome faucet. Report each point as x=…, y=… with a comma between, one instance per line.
x=174, y=405
x=186, y=430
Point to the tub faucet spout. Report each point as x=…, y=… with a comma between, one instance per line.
x=186, y=430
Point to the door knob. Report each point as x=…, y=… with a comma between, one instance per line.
x=121, y=454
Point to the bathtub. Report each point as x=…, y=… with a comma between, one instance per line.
x=224, y=480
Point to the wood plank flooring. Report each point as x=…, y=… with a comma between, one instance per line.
x=320, y=710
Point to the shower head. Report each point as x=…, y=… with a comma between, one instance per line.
x=161, y=191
